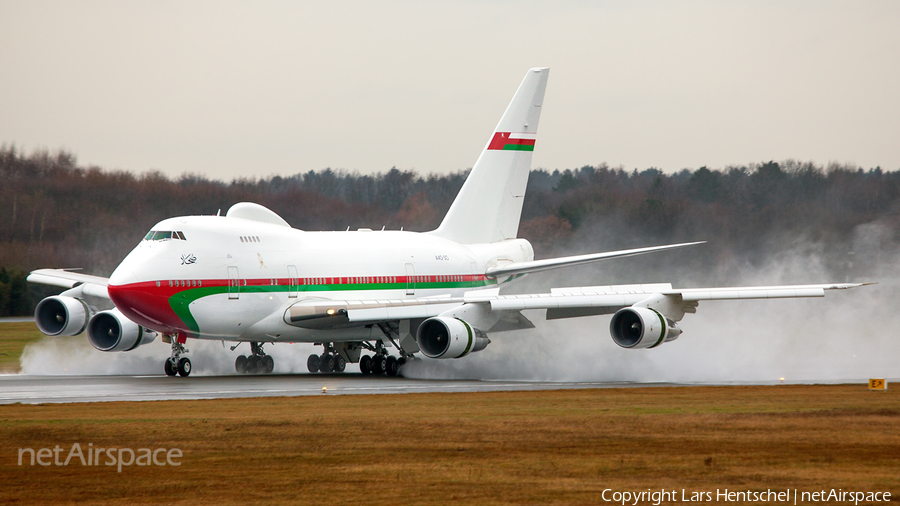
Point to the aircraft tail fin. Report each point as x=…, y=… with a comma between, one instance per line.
x=489, y=205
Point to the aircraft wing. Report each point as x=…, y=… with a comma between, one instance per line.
x=83, y=283
x=487, y=308
x=672, y=302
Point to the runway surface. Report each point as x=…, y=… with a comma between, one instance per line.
x=45, y=389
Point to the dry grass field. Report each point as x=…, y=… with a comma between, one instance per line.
x=559, y=447
x=13, y=339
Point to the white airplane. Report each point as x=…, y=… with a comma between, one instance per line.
x=249, y=277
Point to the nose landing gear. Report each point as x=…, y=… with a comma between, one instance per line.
x=176, y=364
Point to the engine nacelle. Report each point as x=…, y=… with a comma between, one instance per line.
x=111, y=331
x=62, y=316
x=641, y=327
x=447, y=337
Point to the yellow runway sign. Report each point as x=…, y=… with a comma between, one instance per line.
x=877, y=384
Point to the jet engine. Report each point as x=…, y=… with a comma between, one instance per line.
x=447, y=337
x=111, y=331
x=62, y=316
x=641, y=327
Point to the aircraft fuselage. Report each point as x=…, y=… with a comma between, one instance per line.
x=216, y=277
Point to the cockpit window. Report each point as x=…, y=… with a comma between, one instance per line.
x=159, y=235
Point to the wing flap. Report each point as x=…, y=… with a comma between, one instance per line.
x=763, y=292
x=400, y=312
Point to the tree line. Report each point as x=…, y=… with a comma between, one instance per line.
x=55, y=213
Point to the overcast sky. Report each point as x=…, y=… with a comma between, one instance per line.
x=230, y=89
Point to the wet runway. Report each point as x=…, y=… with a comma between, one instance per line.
x=45, y=389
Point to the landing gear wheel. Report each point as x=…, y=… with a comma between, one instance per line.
x=379, y=364
x=339, y=363
x=240, y=364
x=326, y=363
x=253, y=364
x=170, y=368
x=365, y=364
x=391, y=367
x=268, y=364
x=184, y=367
x=312, y=363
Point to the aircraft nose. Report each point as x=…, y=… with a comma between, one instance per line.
x=122, y=276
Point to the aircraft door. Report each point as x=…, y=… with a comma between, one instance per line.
x=410, y=279
x=292, y=275
x=234, y=286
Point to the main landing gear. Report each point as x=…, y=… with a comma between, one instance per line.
x=327, y=362
x=336, y=356
x=257, y=363
x=176, y=364
x=380, y=362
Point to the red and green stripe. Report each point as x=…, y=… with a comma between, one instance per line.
x=505, y=142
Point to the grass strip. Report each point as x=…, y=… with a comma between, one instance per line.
x=553, y=447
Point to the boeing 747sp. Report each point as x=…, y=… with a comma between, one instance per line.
x=249, y=277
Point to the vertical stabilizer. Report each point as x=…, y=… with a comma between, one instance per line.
x=489, y=204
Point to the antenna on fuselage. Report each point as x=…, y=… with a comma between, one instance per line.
x=219, y=212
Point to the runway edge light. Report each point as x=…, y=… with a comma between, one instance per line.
x=877, y=384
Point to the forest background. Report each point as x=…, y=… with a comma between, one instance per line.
x=57, y=214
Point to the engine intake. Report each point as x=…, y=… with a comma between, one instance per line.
x=62, y=316
x=444, y=337
x=641, y=327
x=111, y=331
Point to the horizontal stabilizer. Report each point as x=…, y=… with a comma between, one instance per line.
x=555, y=263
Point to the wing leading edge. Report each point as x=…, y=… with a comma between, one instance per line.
x=578, y=301
x=83, y=283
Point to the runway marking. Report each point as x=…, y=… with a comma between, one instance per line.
x=54, y=389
